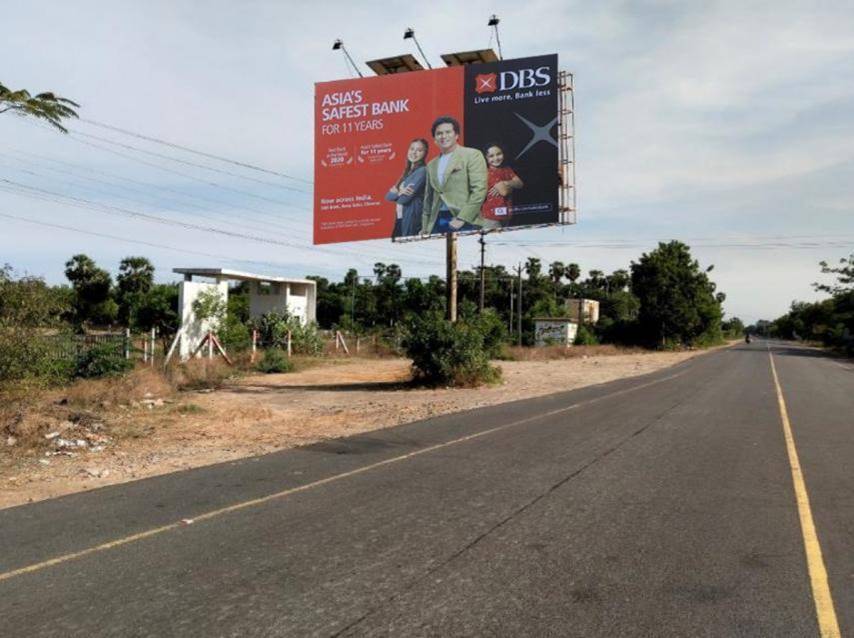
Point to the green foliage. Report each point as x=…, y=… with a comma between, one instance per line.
x=273, y=330
x=274, y=360
x=733, y=328
x=678, y=305
x=32, y=337
x=829, y=321
x=234, y=334
x=91, y=284
x=585, y=337
x=135, y=279
x=445, y=353
x=46, y=106
x=158, y=308
x=102, y=360
x=210, y=305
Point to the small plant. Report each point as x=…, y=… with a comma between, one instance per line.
x=102, y=360
x=274, y=360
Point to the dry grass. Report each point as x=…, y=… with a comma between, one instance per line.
x=549, y=353
x=141, y=383
x=200, y=374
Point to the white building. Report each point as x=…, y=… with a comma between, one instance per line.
x=555, y=331
x=583, y=310
x=266, y=294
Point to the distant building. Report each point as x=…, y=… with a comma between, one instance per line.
x=550, y=331
x=266, y=294
x=583, y=310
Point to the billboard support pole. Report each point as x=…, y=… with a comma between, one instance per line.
x=451, y=262
x=482, y=242
x=519, y=305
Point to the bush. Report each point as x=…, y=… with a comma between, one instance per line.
x=274, y=360
x=585, y=336
x=102, y=360
x=235, y=336
x=273, y=330
x=449, y=354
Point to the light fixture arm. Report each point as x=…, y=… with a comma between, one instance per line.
x=338, y=44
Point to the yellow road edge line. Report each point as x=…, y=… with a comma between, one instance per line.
x=826, y=614
x=126, y=540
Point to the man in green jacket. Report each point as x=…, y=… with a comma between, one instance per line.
x=456, y=183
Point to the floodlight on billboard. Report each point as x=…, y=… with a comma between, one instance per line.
x=462, y=149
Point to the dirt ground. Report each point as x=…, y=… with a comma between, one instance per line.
x=262, y=413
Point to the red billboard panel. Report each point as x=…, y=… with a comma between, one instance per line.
x=424, y=153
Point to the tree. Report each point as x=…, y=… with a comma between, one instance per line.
x=677, y=299
x=46, y=106
x=557, y=270
x=136, y=276
x=92, y=302
x=158, y=309
x=533, y=268
x=618, y=280
x=844, y=276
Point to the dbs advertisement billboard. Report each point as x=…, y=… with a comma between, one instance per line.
x=461, y=149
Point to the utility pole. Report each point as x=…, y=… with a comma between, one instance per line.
x=353, y=302
x=519, y=324
x=482, y=243
x=451, y=255
x=512, y=312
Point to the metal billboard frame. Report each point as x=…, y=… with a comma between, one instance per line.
x=567, y=200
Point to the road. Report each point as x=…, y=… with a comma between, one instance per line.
x=663, y=505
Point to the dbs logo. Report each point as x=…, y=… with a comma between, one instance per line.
x=508, y=80
x=486, y=83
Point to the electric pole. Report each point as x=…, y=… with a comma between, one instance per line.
x=482, y=243
x=451, y=255
x=519, y=304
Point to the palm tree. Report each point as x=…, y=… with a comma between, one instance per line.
x=45, y=106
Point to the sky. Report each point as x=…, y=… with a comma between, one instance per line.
x=726, y=125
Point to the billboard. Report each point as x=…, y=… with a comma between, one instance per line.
x=424, y=153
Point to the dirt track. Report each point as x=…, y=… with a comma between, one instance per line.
x=263, y=413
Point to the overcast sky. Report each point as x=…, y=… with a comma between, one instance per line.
x=728, y=125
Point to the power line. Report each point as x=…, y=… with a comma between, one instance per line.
x=269, y=216
x=206, y=211
x=194, y=151
x=44, y=194
x=187, y=162
x=140, y=241
x=194, y=164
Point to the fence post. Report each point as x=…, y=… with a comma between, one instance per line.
x=152, y=346
x=210, y=345
x=289, y=344
x=254, y=344
x=127, y=343
x=145, y=351
x=358, y=344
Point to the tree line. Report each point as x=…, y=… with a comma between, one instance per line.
x=829, y=321
x=664, y=299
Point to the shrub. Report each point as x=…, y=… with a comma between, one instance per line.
x=273, y=330
x=102, y=360
x=274, y=360
x=234, y=335
x=449, y=354
x=585, y=336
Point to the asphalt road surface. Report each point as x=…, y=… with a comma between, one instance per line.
x=663, y=505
